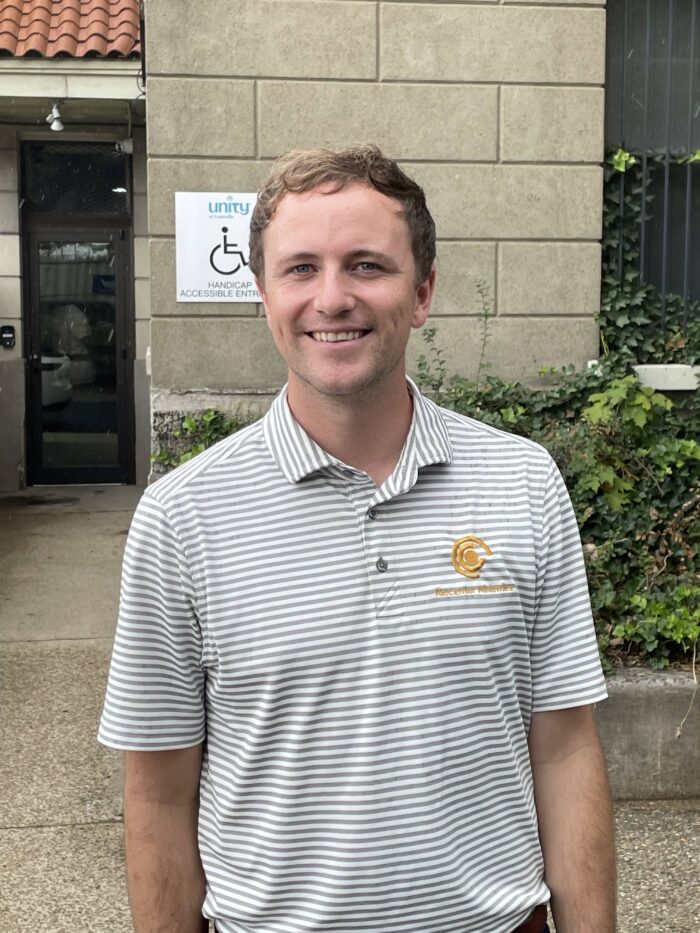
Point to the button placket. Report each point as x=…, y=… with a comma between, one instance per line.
x=386, y=593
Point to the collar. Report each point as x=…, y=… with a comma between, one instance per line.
x=298, y=455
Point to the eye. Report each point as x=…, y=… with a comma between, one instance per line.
x=367, y=266
x=302, y=268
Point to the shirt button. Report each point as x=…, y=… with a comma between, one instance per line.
x=382, y=565
x=372, y=513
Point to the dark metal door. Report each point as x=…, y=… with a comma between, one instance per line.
x=79, y=355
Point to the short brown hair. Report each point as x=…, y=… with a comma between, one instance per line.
x=305, y=169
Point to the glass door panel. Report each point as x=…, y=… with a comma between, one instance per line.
x=76, y=356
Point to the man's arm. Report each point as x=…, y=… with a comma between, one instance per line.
x=575, y=818
x=164, y=871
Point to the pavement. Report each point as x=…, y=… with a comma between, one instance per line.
x=61, y=838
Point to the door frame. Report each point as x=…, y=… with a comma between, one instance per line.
x=81, y=228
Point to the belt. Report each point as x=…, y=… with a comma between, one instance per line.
x=536, y=922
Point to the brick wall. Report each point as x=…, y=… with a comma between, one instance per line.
x=495, y=107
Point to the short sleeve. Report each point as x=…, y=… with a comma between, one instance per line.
x=156, y=685
x=565, y=663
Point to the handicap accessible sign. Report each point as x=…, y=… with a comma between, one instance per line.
x=211, y=238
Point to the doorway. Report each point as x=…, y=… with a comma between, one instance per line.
x=78, y=318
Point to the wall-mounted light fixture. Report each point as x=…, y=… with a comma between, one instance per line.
x=54, y=119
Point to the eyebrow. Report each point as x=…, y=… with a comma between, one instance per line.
x=371, y=254
x=295, y=257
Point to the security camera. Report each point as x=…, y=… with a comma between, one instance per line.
x=124, y=145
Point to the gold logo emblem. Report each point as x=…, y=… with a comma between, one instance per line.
x=469, y=556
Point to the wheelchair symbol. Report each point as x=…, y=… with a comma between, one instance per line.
x=227, y=250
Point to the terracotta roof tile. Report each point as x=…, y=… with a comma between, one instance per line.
x=75, y=28
x=68, y=15
x=10, y=17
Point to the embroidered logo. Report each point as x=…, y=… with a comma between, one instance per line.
x=469, y=556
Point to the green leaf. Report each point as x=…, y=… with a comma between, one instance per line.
x=622, y=160
x=597, y=413
x=638, y=416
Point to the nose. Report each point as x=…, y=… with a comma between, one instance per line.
x=333, y=292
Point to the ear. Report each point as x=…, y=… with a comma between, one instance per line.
x=424, y=299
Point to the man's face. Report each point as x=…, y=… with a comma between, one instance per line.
x=340, y=291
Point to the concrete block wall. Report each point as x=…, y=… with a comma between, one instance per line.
x=11, y=361
x=495, y=107
x=142, y=309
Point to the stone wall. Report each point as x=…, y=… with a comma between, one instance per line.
x=496, y=108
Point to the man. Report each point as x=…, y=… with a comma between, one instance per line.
x=355, y=649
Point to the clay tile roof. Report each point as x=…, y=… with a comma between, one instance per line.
x=73, y=28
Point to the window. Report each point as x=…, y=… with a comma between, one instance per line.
x=75, y=178
x=653, y=112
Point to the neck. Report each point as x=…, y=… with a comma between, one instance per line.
x=365, y=431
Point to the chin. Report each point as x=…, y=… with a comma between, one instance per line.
x=348, y=387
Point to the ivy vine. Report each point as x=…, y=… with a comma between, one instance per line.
x=638, y=323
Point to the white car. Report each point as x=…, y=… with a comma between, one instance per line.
x=56, y=388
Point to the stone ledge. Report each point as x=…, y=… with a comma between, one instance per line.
x=669, y=377
x=637, y=726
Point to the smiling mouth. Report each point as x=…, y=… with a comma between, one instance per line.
x=327, y=336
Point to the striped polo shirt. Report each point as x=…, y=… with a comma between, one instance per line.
x=364, y=664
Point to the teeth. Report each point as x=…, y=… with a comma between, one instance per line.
x=328, y=337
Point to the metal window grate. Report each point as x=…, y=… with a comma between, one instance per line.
x=75, y=178
x=653, y=112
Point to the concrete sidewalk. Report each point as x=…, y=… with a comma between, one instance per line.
x=61, y=855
